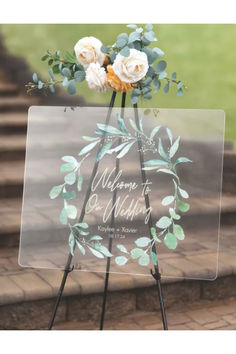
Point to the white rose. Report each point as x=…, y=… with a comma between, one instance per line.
x=132, y=68
x=96, y=77
x=88, y=50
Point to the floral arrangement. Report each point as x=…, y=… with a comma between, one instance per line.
x=129, y=65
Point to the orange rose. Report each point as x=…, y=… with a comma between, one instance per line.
x=115, y=83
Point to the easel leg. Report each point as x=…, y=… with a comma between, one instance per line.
x=157, y=277
x=111, y=235
x=156, y=274
x=68, y=268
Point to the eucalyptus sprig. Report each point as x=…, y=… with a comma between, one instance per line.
x=71, y=72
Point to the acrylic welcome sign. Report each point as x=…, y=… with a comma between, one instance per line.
x=150, y=180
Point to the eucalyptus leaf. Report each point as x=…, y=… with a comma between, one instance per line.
x=51, y=73
x=161, y=65
x=95, y=238
x=159, y=53
x=163, y=222
x=88, y=138
x=162, y=151
x=155, y=163
x=163, y=75
x=180, y=92
x=104, y=49
x=142, y=241
x=105, y=148
x=173, y=76
x=40, y=85
x=154, y=258
x=79, y=75
x=84, y=225
x=71, y=211
x=122, y=248
x=65, y=82
x=67, y=167
x=168, y=200
x=122, y=40
x=170, y=241
x=113, y=56
x=117, y=148
x=63, y=217
x=109, y=129
x=134, y=126
x=103, y=249
x=147, y=96
x=96, y=253
x=121, y=124
x=169, y=135
x=125, y=150
x=134, y=36
x=136, y=253
x=70, y=159
x=174, y=147
x=125, y=52
x=182, y=206
x=148, y=27
x=154, y=234
x=173, y=214
x=154, y=131
x=79, y=183
x=80, y=247
x=82, y=232
x=70, y=178
x=166, y=87
x=68, y=195
x=66, y=72
x=71, y=243
x=178, y=231
x=71, y=87
x=134, y=99
x=132, y=26
x=55, y=191
x=88, y=147
x=52, y=89
x=35, y=78
x=183, y=193
x=150, y=36
x=144, y=260
x=182, y=160
x=121, y=260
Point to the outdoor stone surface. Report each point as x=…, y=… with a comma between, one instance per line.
x=89, y=308
x=30, y=315
x=197, y=316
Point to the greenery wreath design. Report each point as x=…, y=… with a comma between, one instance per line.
x=167, y=228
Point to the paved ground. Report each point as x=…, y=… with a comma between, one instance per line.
x=205, y=315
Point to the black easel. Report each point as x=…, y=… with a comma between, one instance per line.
x=156, y=274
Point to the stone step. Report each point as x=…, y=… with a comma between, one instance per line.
x=11, y=179
x=27, y=295
x=8, y=89
x=10, y=217
x=229, y=176
x=16, y=103
x=12, y=147
x=13, y=123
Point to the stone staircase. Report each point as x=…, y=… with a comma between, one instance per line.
x=27, y=295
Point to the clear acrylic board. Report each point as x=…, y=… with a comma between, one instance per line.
x=183, y=154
